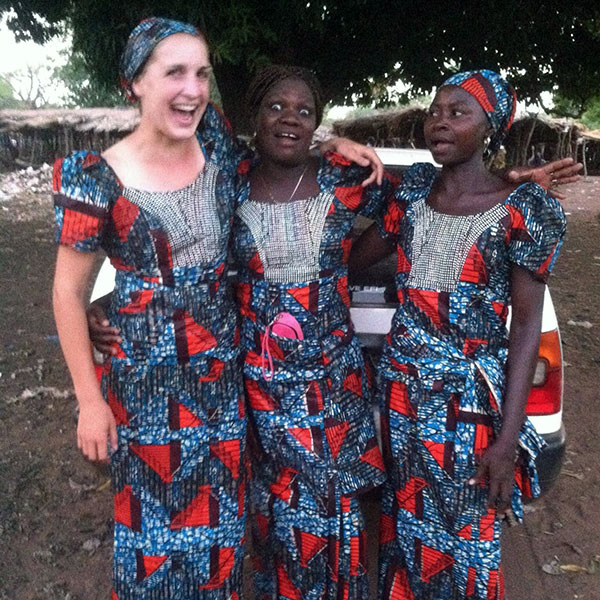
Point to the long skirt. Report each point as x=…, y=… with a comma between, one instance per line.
x=178, y=482
x=313, y=451
x=306, y=544
x=438, y=538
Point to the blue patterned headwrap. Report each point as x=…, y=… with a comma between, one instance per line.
x=141, y=43
x=495, y=95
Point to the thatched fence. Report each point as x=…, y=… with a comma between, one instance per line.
x=32, y=137
x=548, y=139
x=391, y=128
x=589, y=153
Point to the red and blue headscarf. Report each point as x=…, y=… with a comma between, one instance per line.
x=141, y=43
x=495, y=95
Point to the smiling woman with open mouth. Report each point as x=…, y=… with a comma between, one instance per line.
x=160, y=204
x=313, y=449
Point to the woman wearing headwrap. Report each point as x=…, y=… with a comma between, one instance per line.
x=160, y=203
x=458, y=449
x=312, y=445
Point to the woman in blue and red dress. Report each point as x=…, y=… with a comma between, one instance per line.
x=160, y=204
x=458, y=449
x=312, y=445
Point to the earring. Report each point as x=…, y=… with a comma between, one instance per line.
x=486, y=147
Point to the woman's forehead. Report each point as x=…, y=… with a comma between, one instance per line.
x=181, y=46
x=290, y=86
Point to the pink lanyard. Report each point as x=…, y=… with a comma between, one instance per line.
x=284, y=325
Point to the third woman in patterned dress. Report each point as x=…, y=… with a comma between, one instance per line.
x=458, y=449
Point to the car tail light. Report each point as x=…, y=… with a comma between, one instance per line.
x=546, y=394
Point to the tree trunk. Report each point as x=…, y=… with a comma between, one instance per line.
x=525, y=148
x=233, y=83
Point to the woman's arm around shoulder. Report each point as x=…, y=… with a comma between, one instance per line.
x=358, y=153
x=550, y=176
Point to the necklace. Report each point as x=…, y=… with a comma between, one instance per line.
x=268, y=186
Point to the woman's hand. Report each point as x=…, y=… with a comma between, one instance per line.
x=497, y=468
x=358, y=153
x=549, y=176
x=96, y=428
x=104, y=337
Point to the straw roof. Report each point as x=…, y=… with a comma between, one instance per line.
x=392, y=128
x=591, y=134
x=98, y=120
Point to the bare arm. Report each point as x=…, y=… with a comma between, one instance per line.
x=368, y=249
x=96, y=424
x=549, y=176
x=498, y=462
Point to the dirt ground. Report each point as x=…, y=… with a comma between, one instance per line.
x=55, y=508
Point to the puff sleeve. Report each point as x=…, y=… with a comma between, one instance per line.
x=81, y=202
x=417, y=178
x=537, y=229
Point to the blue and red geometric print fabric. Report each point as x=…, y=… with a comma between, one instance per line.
x=175, y=385
x=441, y=384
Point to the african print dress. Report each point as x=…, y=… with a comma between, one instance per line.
x=442, y=382
x=311, y=438
x=175, y=385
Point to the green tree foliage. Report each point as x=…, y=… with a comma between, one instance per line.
x=587, y=112
x=591, y=117
x=564, y=107
x=357, y=47
x=81, y=88
x=7, y=95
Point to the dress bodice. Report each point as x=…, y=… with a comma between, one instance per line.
x=171, y=299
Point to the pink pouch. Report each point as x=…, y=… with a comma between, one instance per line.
x=284, y=325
